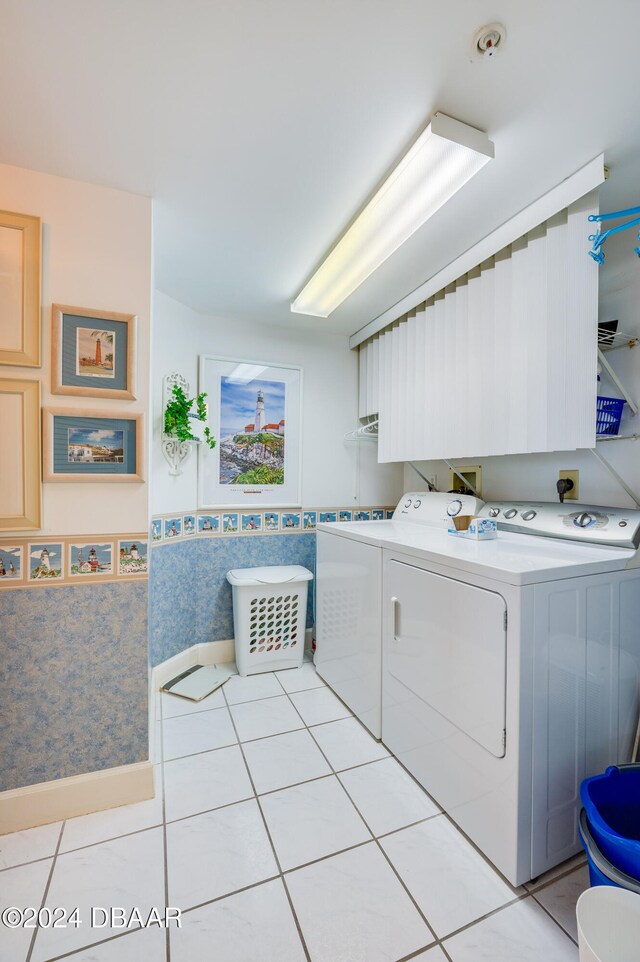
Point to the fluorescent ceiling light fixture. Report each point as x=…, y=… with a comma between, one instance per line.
x=441, y=161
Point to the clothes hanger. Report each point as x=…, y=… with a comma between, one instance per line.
x=600, y=237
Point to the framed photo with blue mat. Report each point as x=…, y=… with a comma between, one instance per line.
x=93, y=353
x=92, y=446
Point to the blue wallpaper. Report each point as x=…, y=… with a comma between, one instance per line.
x=172, y=602
x=189, y=595
x=73, y=677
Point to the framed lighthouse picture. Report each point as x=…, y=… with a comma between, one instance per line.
x=93, y=353
x=92, y=445
x=255, y=414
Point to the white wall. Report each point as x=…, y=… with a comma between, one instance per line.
x=334, y=472
x=96, y=252
x=524, y=477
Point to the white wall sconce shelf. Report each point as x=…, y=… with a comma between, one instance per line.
x=175, y=451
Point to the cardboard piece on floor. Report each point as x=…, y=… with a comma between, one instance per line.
x=197, y=682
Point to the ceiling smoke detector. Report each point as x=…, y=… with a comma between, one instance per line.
x=488, y=40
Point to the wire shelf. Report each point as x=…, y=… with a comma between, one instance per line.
x=610, y=341
x=366, y=432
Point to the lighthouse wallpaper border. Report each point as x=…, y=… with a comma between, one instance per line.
x=90, y=558
x=46, y=560
x=93, y=353
x=11, y=568
x=255, y=413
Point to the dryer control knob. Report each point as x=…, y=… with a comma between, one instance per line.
x=528, y=515
x=407, y=503
x=584, y=519
x=417, y=503
x=511, y=513
x=454, y=508
x=494, y=512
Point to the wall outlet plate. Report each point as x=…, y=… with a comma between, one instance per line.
x=572, y=495
x=471, y=471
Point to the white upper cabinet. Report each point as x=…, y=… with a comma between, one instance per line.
x=502, y=361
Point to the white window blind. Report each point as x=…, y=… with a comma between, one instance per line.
x=502, y=361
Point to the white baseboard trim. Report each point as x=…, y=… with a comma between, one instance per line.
x=206, y=653
x=22, y=808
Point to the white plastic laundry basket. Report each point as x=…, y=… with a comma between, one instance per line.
x=269, y=616
x=608, y=925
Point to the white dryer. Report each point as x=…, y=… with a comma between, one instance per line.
x=511, y=670
x=349, y=595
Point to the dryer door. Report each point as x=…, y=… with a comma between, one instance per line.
x=448, y=647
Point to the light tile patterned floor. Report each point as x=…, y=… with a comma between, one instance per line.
x=285, y=833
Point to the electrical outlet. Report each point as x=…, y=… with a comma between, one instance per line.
x=473, y=473
x=572, y=495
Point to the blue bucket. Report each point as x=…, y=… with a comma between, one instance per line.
x=612, y=804
x=601, y=871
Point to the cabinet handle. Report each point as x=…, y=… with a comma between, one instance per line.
x=395, y=609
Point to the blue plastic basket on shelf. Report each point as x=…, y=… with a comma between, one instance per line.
x=608, y=414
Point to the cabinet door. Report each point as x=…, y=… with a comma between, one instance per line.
x=448, y=648
x=19, y=289
x=20, y=462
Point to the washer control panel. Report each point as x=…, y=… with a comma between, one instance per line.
x=433, y=507
x=617, y=527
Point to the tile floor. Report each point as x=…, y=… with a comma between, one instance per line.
x=285, y=833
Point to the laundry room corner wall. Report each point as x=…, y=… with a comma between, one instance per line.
x=74, y=648
x=190, y=598
x=334, y=472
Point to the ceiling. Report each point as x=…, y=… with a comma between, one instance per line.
x=260, y=127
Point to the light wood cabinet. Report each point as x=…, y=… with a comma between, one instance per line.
x=20, y=471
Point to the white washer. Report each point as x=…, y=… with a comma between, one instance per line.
x=511, y=670
x=349, y=595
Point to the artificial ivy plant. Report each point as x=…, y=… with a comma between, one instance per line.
x=177, y=414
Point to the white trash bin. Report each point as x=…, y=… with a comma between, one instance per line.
x=608, y=925
x=269, y=616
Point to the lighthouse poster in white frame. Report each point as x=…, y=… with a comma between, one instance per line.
x=254, y=411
